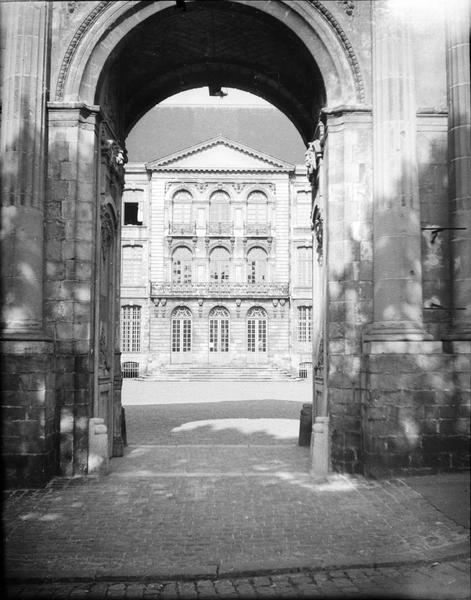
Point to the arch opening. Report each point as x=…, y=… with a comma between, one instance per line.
x=214, y=45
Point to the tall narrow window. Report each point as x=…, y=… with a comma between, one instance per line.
x=219, y=207
x=131, y=328
x=181, y=265
x=181, y=329
x=304, y=254
x=132, y=261
x=257, y=330
x=303, y=209
x=304, y=323
x=181, y=207
x=219, y=264
x=219, y=329
x=256, y=265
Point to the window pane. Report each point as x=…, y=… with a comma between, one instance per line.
x=131, y=328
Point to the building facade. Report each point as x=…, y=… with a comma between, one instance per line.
x=216, y=262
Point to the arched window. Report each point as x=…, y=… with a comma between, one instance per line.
x=181, y=329
x=181, y=207
x=257, y=330
x=131, y=328
x=304, y=323
x=257, y=205
x=219, y=329
x=219, y=207
x=181, y=265
x=219, y=264
x=256, y=265
x=131, y=261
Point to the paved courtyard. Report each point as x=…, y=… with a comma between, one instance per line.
x=214, y=498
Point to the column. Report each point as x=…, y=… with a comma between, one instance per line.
x=397, y=251
x=23, y=150
x=459, y=149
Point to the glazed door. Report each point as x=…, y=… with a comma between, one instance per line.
x=219, y=336
x=257, y=338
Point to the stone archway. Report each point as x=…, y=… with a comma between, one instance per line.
x=91, y=72
x=295, y=55
x=122, y=59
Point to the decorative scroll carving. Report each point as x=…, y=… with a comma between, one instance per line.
x=107, y=229
x=318, y=229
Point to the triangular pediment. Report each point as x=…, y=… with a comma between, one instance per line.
x=219, y=154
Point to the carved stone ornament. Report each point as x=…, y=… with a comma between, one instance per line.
x=115, y=156
x=103, y=349
x=238, y=187
x=318, y=229
x=312, y=157
x=107, y=229
x=319, y=366
x=348, y=6
x=202, y=187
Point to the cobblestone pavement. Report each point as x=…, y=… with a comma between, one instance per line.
x=439, y=580
x=227, y=508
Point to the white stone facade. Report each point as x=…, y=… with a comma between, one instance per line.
x=223, y=231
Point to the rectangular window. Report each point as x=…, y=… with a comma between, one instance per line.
x=251, y=335
x=224, y=323
x=176, y=335
x=131, y=328
x=132, y=257
x=132, y=213
x=304, y=323
x=303, y=210
x=304, y=264
x=186, y=347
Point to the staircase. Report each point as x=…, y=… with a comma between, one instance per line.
x=222, y=372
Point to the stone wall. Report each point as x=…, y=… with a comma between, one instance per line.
x=416, y=407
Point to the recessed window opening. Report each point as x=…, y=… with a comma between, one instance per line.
x=132, y=213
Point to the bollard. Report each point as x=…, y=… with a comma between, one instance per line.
x=98, y=461
x=305, y=425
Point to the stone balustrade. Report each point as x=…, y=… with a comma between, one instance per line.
x=220, y=228
x=258, y=229
x=181, y=229
x=220, y=289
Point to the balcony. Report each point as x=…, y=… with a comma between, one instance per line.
x=257, y=230
x=223, y=289
x=220, y=229
x=182, y=229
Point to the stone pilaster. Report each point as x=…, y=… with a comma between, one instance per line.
x=459, y=157
x=397, y=251
x=25, y=28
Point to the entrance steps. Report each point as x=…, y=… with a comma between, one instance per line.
x=222, y=372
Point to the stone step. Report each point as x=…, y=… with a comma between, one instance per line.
x=218, y=372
